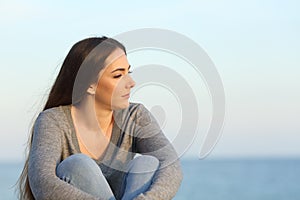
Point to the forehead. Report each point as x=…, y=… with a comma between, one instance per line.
x=116, y=58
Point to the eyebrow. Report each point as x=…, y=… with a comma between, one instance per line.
x=120, y=69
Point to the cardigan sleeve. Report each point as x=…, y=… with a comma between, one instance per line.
x=45, y=154
x=150, y=140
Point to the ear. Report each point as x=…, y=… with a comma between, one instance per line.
x=91, y=89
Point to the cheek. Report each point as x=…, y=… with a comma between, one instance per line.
x=118, y=88
x=105, y=88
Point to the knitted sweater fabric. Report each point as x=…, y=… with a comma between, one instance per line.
x=135, y=130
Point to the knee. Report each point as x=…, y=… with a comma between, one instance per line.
x=143, y=164
x=148, y=160
x=84, y=173
x=77, y=164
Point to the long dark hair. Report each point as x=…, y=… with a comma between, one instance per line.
x=87, y=55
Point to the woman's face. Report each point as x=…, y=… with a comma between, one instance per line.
x=115, y=83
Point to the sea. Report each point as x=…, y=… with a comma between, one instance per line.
x=213, y=179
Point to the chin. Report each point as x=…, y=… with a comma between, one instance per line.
x=120, y=106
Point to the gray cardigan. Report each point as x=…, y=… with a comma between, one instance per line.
x=135, y=131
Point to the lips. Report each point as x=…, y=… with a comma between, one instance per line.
x=126, y=95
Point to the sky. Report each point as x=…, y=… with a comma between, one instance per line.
x=254, y=45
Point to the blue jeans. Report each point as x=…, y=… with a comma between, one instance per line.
x=83, y=172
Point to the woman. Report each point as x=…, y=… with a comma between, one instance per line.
x=85, y=141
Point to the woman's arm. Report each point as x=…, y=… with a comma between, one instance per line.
x=44, y=156
x=150, y=140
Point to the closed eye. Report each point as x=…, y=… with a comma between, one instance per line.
x=119, y=75
x=122, y=70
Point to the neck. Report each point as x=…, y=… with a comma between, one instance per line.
x=92, y=116
x=103, y=115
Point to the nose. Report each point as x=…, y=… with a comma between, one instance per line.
x=130, y=83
